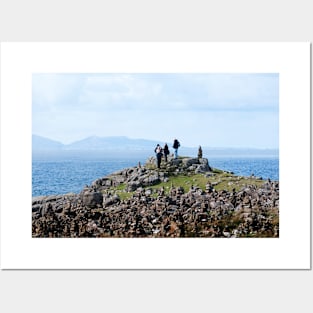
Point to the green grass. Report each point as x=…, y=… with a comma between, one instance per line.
x=221, y=181
x=217, y=171
x=120, y=191
x=121, y=187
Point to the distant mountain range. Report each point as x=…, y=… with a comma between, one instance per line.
x=94, y=143
x=122, y=143
x=42, y=143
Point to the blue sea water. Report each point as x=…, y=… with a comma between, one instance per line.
x=265, y=167
x=70, y=171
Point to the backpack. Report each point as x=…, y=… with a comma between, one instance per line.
x=158, y=149
x=176, y=144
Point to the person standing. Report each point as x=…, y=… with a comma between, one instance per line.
x=158, y=151
x=166, y=151
x=176, y=145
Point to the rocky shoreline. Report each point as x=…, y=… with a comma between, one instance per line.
x=185, y=198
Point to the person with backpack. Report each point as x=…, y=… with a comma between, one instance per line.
x=166, y=151
x=158, y=151
x=176, y=145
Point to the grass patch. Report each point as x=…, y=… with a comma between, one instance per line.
x=121, y=187
x=124, y=195
x=220, y=180
x=120, y=191
x=217, y=171
x=184, y=181
x=227, y=181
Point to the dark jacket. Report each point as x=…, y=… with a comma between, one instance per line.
x=158, y=150
x=176, y=144
x=166, y=150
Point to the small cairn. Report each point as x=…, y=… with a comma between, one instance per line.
x=200, y=153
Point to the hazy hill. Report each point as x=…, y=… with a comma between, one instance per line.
x=123, y=143
x=112, y=143
x=41, y=143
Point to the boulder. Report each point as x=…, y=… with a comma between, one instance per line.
x=176, y=162
x=190, y=161
x=203, y=161
x=111, y=200
x=53, y=198
x=46, y=208
x=148, y=192
x=59, y=208
x=151, y=180
x=202, y=168
x=36, y=207
x=192, y=168
x=92, y=199
x=133, y=185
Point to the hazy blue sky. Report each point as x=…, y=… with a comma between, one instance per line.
x=216, y=110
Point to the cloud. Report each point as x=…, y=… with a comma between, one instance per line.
x=51, y=91
x=223, y=109
x=155, y=91
x=233, y=91
x=119, y=91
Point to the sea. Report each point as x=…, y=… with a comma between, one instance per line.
x=70, y=171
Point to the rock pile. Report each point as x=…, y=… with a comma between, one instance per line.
x=95, y=212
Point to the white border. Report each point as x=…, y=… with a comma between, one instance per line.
x=20, y=251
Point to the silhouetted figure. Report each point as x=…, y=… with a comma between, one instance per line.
x=158, y=151
x=176, y=145
x=166, y=152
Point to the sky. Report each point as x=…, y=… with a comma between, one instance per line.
x=213, y=110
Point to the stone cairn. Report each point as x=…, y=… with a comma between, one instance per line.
x=96, y=212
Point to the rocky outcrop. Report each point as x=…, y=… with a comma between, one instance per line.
x=148, y=175
x=152, y=212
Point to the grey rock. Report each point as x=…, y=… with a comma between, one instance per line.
x=151, y=180
x=53, y=198
x=58, y=209
x=148, y=192
x=36, y=207
x=192, y=168
x=47, y=208
x=176, y=162
x=177, y=213
x=92, y=199
x=202, y=168
x=190, y=161
x=111, y=200
x=38, y=200
x=133, y=185
x=203, y=161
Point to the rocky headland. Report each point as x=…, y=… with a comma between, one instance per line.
x=184, y=198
